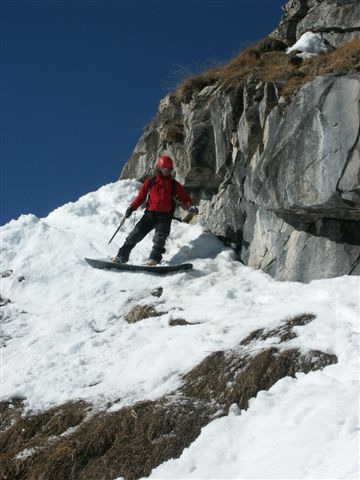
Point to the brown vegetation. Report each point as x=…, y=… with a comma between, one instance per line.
x=284, y=332
x=235, y=377
x=32, y=433
x=275, y=66
x=10, y=412
x=135, y=439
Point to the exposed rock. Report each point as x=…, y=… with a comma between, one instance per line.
x=140, y=312
x=4, y=301
x=294, y=209
x=299, y=182
x=6, y=273
x=269, y=100
x=337, y=20
x=312, y=141
x=175, y=322
x=294, y=11
x=157, y=292
x=205, y=153
x=269, y=44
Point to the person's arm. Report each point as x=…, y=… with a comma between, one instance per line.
x=185, y=199
x=141, y=196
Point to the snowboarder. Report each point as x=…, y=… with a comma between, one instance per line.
x=159, y=193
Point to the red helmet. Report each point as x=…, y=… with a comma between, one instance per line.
x=164, y=162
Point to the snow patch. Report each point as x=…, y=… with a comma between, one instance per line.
x=309, y=44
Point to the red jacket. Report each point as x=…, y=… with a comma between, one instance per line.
x=160, y=198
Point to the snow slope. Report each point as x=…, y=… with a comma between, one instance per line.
x=66, y=338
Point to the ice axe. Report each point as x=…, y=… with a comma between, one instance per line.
x=121, y=224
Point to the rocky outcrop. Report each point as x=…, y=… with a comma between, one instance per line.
x=337, y=20
x=276, y=178
x=294, y=210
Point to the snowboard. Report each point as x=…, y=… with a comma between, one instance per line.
x=105, y=264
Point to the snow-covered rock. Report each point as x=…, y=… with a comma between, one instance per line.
x=309, y=44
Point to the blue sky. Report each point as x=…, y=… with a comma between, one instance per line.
x=80, y=80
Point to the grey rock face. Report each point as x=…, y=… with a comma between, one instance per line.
x=277, y=180
x=337, y=20
x=293, y=210
x=315, y=157
x=202, y=148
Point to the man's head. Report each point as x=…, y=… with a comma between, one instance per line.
x=165, y=166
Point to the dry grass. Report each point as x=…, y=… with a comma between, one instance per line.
x=130, y=443
x=33, y=432
x=235, y=377
x=275, y=66
x=284, y=332
x=10, y=412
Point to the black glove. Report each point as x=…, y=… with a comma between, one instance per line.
x=128, y=212
x=193, y=210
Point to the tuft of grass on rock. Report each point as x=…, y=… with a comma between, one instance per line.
x=272, y=64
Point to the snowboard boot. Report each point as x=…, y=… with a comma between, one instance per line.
x=152, y=263
x=118, y=259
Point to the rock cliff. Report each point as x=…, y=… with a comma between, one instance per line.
x=337, y=20
x=272, y=154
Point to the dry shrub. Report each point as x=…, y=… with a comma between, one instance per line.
x=273, y=65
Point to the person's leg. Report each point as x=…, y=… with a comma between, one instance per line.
x=162, y=231
x=141, y=229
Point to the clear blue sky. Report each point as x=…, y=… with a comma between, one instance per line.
x=80, y=79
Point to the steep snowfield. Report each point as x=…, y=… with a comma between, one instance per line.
x=66, y=338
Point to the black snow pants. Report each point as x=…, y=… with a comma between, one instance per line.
x=150, y=220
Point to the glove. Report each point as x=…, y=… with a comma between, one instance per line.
x=193, y=210
x=128, y=212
